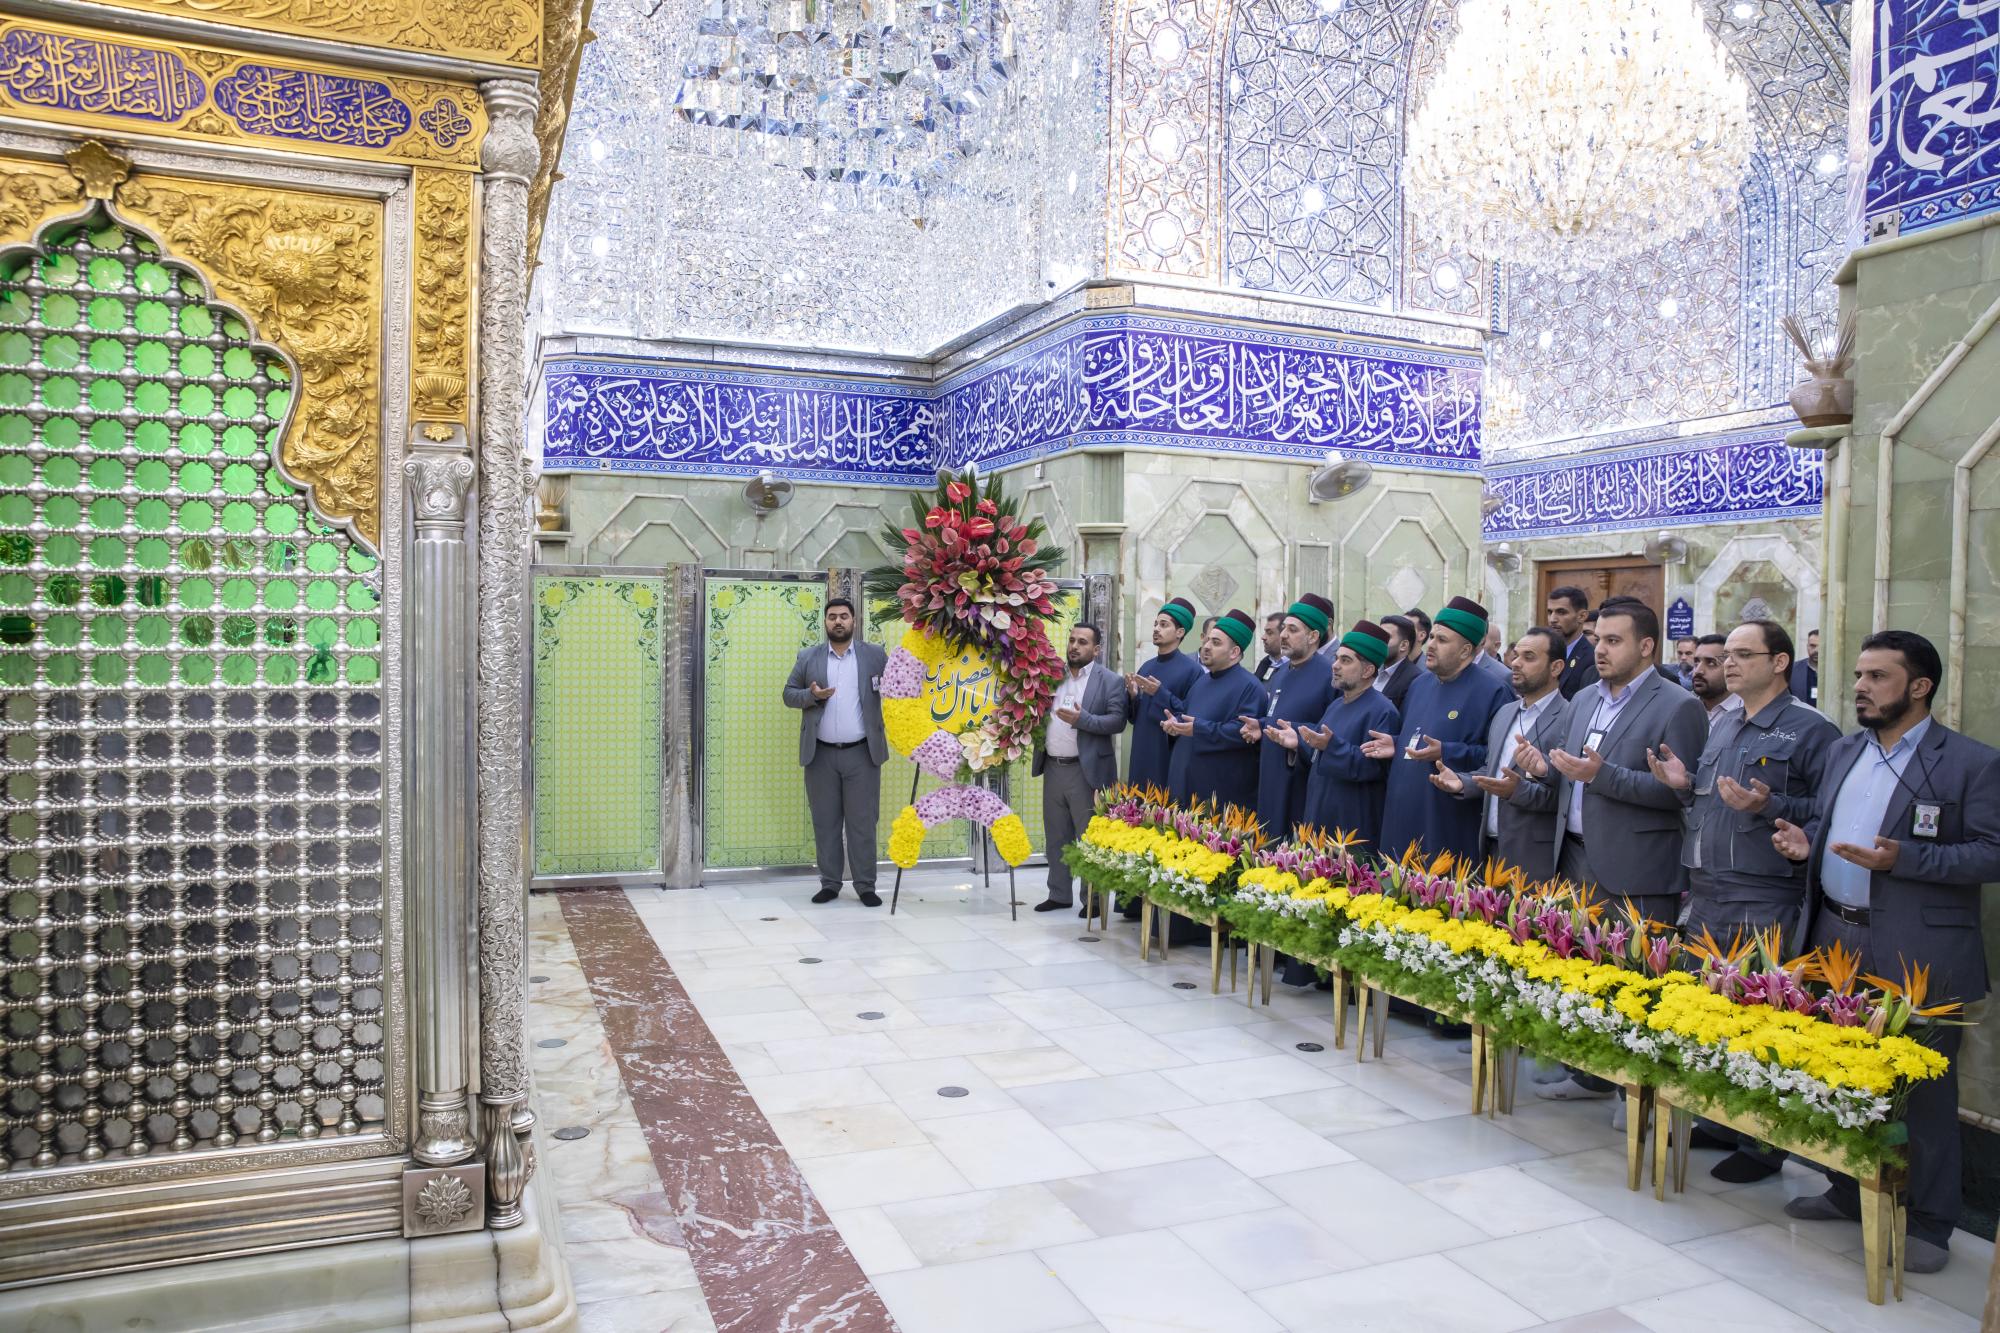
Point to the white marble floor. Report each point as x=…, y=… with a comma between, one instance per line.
x=1123, y=1152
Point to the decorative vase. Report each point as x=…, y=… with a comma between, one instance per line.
x=1825, y=399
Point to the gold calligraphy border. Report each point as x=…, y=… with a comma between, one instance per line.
x=306, y=269
x=507, y=32
x=207, y=123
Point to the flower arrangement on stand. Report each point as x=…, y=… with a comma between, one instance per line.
x=1139, y=843
x=969, y=685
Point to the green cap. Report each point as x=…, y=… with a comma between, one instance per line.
x=1238, y=626
x=1368, y=640
x=1465, y=617
x=1181, y=612
x=1310, y=616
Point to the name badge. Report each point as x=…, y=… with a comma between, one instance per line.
x=1594, y=741
x=875, y=683
x=1924, y=819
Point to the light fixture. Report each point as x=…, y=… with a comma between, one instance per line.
x=1560, y=135
x=860, y=91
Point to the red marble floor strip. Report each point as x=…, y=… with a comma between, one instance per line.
x=768, y=1258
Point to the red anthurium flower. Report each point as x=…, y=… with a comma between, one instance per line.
x=958, y=492
x=979, y=527
x=987, y=507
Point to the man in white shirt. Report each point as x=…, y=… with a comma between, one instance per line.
x=1511, y=834
x=1078, y=756
x=842, y=748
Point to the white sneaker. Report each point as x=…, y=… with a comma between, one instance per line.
x=1569, y=1090
x=1545, y=1072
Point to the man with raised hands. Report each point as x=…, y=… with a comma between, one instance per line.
x=1300, y=690
x=1212, y=761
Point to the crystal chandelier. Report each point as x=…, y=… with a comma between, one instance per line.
x=855, y=91
x=1562, y=135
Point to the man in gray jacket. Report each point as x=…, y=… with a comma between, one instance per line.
x=836, y=686
x=1905, y=832
x=1077, y=757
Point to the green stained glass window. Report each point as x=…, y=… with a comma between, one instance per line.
x=161, y=677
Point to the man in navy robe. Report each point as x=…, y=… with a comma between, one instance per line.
x=1445, y=716
x=1346, y=789
x=1300, y=690
x=1211, y=761
x=1173, y=672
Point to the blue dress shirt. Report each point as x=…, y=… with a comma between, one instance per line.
x=1858, y=812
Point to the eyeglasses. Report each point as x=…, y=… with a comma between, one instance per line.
x=1740, y=655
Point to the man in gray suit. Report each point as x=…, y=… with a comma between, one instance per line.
x=1905, y=831
x=1617, y=828
x=1512, y=832
x=836, y=685
x=1077, y=757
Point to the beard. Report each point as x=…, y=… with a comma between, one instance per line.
x=839, y=635
x=1886, y=715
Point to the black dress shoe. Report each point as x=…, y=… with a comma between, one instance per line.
x=1050, y=906
x=1084, y=911
x=1704, y=1137
x=869, y=898
x=1740, y=1168
x=826, y=895
x=1130, y=911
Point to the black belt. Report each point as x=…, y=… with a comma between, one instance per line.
x=841, y=745
x=1853, y=916
x=1065, y=759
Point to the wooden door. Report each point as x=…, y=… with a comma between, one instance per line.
x=1606, y=576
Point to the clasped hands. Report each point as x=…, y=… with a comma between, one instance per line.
x=1381, y=745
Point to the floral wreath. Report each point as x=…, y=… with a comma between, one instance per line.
x=975, y=577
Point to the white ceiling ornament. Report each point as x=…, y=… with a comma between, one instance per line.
x=1573, y=135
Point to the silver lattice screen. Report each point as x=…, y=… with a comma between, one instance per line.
x=189, y=694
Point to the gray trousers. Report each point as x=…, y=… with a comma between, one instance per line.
x=1729, y=912
x=1574, y=865
x=1068, y=801
x=1931, y=1113
x=844, y=792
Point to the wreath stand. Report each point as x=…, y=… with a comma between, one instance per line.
x=987, y=853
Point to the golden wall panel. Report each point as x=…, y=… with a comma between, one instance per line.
x=78, y=78
x=503, y=31
x=441, y=359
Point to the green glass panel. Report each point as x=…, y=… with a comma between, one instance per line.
x=153, y=631
x=107, y=553
x=281, y=595
x=277, y=403
x=151, y=278
x=363, y=634
x=106, y=396
x=17, y=630
x=63, y=433
x=107, y=314
x=197, y=631
x=321, y=668
x=14, y=308
x=61, y=352
x=239, y=594
x=15, y=391
x=16, y=590
x=18, y=511
x=59, y=310
x=196, y=553
x=151, y=553
x=239, y=479
x=321, y=632
x=598, y=739
x=152, y=317
x=361, y=598
x=105, y=590
x=239, y=516
x=239, y=631
x=61, y=394
x=15, y=470
x=196, y=477
x=153, y=515
x=63, y=511
x=363, y=671
x=15, y=549
x=58, y=270
x=197, y=400
x=107, y=474
x=152, y=358
x=197, y=594
x=322, y=595
x=152, y=475
x=62, y=551
x=322, y=557
x=281, y=671
x=197, y=361
x=281, y=520
x=239, y=441
x=65, y=670
x=197, y=440
x=17, y=669
x=238, y=364
x=107, y=273
x=106, y=632
x=281, y=632
x=63, y=590
x=754, y=790
x=14, y=349
x=238, y=554
x=196, y=322
x=16, y=430
x=197, y=669
x=239, y=403
x=192, y=516
x=239, y=669
x=107, y=356
x=155, y=671
x=360, y=562
x=150, y=590
x=108, y=672
x=108, y=514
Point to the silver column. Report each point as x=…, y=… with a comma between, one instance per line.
x=439, y=476
x=508, y=159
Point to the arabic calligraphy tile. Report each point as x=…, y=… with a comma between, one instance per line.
x=314, y=106
x=81, y=74
x=445, y=123
x=1932, y=149
x=1706, y=482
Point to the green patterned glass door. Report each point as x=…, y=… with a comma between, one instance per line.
x=599, y=724
x=753, y=790
x=1024, y=790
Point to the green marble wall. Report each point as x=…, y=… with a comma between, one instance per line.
x=1913, y=304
